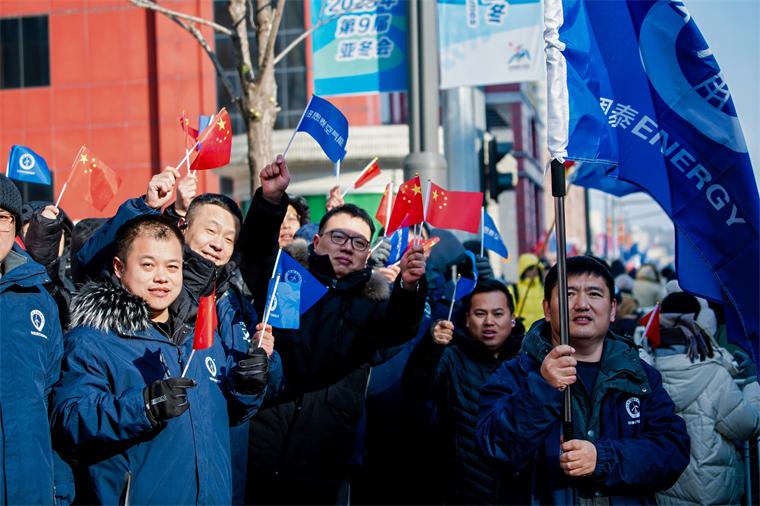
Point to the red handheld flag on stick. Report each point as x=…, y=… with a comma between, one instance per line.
x=451, y=209
x=205, y=325
x=408, y=208
x=652, y=329
x=368, y=173
x=92, y=179
x=386, y=203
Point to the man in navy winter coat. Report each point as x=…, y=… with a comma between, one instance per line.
x=139, y=430
x=627, y=443
x=31, y=346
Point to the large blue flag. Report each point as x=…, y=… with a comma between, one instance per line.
x=297, y=291
x=399, y=244
x=642, y=96
x=492, y=238
x=327, y=125
x=26, y=165
x=594, y=175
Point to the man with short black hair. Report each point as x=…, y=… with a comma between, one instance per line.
x=627, y=443
x=119, y=410
x=31, y=346
x=449, y=366
x=300, y=447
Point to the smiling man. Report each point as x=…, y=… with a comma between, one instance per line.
x=628, y=442
x=449, y=367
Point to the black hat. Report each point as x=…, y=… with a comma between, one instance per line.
x=680, y=303
x=10, y=199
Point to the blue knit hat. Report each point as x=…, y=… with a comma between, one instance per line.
x=10, y=199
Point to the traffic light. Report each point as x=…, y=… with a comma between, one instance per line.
x=492, y=180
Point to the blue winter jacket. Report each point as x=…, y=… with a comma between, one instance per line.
x=111, y=355
x=31, y=346
x=642, y=445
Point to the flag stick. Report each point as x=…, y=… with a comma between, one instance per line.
x=365, y=169
x=337, y=173
x=63, y=189
x=482, y=227
x=388, y=206
x=276, y=263
x=184, y=371
x=453, y=297
x=269, y=307
x=297, y=127
x=375, y=246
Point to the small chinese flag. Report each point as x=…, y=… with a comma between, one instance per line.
x=457, y=210
x=206, y=322
x=216, y=143
x=93, y=179
x=651, y=320
x=191, y=134
x=408, y=208
x=381, y=215
x=427, y=244
x=370, y=172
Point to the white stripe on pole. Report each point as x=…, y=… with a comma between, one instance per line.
x=558, y=117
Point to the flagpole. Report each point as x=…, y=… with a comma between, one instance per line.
x=366, y=167
x=482, y=227
x=63, y=189
x=297, y=127
x=269, y=307
x=276, y=263
x=454, y=297
x=337, y=173
x=184, y=371
x=388, y=206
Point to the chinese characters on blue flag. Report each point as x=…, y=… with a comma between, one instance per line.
x=492, y=238
x=399, y=243
x=26, y=165
x=359, y=46
x=327, y=125
x=635, y=89
x=297, y=291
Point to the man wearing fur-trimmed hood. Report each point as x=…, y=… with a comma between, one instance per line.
x=300, y=447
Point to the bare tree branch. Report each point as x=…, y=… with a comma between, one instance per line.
x=149, y=4
x=273, y=29
x=299, y=39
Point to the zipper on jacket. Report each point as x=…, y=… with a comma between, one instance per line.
x=127, y=489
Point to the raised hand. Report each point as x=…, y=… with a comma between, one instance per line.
x=335, y=199
x=558, y=368
x=275, y=179
x=443, y=332
x=412, y=266
x=264, y=340
x=161, y=188
x=187, y=189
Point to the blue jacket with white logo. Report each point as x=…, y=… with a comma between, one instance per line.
x=642, y=445
x=31, y=346
x=99, y=415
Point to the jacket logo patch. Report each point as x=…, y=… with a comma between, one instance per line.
x=211, y=366
x=38, y=320
x=633, y=407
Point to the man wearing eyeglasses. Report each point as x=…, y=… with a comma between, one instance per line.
x=301, y=447
x=31, y=346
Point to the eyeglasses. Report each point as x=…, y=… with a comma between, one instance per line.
x=6, y=222
x=358, y=242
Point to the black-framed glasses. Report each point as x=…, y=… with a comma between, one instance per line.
x=7, y=222
x=340, y=238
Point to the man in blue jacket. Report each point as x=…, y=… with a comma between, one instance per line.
x=140, y=429
x=31, y=347
x=628, y=442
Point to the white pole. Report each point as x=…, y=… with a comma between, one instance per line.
x=388, y=206
x=337, y=174
x=482, y=228
x=184, y=371
x=269, y=308
x=63, y=189
x=297, y=127
x=453, y=297
x=365, y=169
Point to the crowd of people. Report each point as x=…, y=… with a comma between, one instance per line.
x=382, y=395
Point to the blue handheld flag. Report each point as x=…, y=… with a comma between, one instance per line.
x=297, y=291
x=399, y=244
x=492, y=238
x=327, y=125
x=26, y=165
x=643, y=97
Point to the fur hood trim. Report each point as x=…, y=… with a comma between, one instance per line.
x=376, y=288
x=107, y=307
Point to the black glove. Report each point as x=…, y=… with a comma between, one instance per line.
x=167, y=398
x=484, y=267
x=380, y=255
x=251, y=375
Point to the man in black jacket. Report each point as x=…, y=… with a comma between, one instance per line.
x=448, y=367
x=300, y=447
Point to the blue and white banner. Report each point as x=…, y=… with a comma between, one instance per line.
x=399, y=244
x=492, y=238
x=27, y=166
x=360, y=47
x=490, y=42
x=635, y=88
x=327, y=125
x=297, y=291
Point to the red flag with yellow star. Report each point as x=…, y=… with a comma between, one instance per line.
x=93, y=179
x=381, y=214
x=407, y=210
x=191, y=134
x=215, y=143
x=457, y=210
